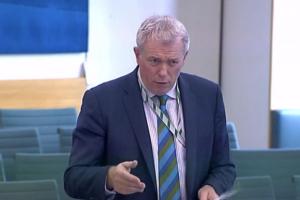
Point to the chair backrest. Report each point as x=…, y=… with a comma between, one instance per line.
x=255, y=187
x=279, y=164
x=46, y=120
x=13, y=140
x=65, y=138
x=42, y=166
x=31, y=190
x=296, y=180
x=2, y=174
x=285, y=125
x=232, y=135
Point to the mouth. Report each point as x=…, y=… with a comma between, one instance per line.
x=161, y=83
x=160, y=87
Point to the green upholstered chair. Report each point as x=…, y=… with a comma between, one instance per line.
x=296, y=180
x=13, y=140
x=2, y=174
x=43, y=166
x=285, y=124
x=255, y=187
x=29, y=190
x=65, y=138
x=232, y=135
x=46, y=120
x=279, y=164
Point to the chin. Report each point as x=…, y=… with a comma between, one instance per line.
x=161, y=92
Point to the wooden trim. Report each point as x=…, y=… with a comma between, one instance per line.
x=48, y=93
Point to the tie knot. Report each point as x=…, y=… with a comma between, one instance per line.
x=163, y=100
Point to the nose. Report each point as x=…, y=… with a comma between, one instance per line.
x=163, y=70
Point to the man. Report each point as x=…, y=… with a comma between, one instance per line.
x=155, y=133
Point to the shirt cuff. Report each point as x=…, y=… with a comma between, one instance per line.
x=110, y=194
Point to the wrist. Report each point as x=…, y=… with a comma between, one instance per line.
x=109, y=182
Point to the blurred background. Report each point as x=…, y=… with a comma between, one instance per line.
x=249, y=47
x=51, y=51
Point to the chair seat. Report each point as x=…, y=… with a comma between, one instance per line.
x=279, y=164
x=255, y=187
x=29, y=190
x=296, y=180
x=43, y=166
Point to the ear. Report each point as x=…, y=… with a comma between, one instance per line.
x=137, y=54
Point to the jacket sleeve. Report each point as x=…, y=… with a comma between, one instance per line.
x=222, y=171
x=85, y=177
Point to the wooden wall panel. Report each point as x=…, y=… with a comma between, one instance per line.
x=50, y=93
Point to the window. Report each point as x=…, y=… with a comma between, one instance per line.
x=285, y=86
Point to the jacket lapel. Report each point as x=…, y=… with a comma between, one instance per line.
x=192, y=124
x=133, y=103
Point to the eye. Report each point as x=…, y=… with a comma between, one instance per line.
x=173, y=62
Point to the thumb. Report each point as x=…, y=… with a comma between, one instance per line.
x=130, y=165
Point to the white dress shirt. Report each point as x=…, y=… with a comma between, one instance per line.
x=172, y=108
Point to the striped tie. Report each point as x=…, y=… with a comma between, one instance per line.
x=167, y=163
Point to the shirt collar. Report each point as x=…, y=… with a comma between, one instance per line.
x=171, y=93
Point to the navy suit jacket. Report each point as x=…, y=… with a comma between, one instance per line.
x=112, y=128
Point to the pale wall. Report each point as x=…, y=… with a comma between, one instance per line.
x=246, y=69
x=113, y=31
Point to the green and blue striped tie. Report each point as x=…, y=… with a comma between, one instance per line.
x=167, y=162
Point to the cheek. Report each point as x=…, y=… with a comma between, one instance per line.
x=150, y=71
x=147, y=73
x=175, y=72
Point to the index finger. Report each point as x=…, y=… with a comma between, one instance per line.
x=132, y=180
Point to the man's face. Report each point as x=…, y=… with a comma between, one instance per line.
x=160, y=64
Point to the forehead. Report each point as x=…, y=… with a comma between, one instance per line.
x=174, y=48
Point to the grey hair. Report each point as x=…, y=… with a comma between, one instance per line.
x=162, y=28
